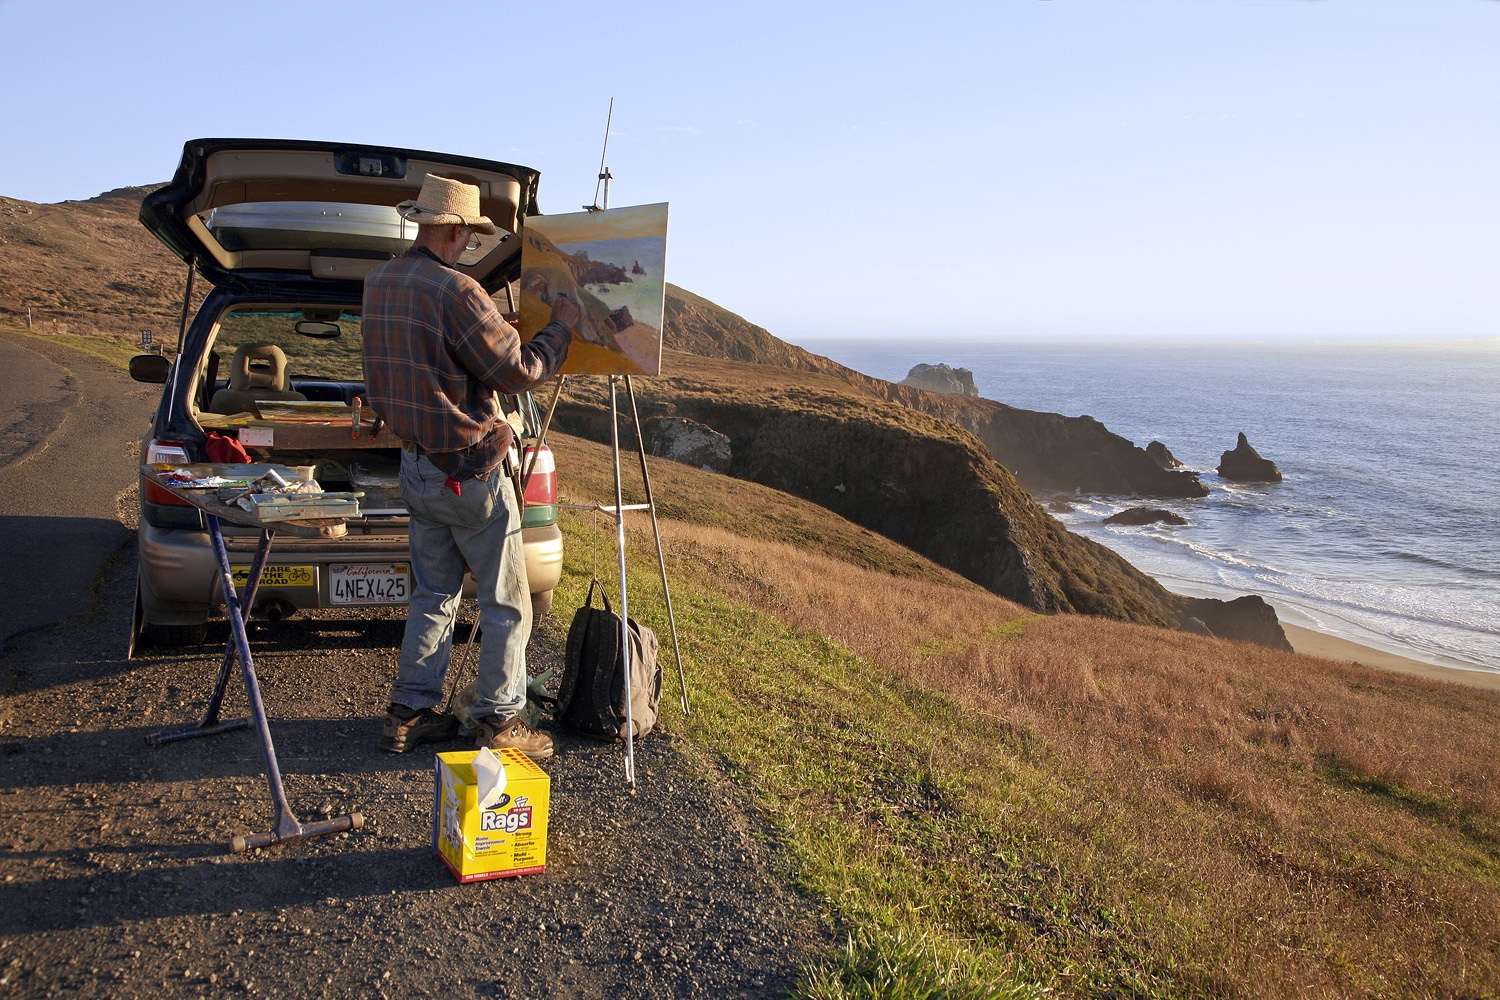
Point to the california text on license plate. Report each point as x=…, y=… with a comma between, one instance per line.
x=372, y=583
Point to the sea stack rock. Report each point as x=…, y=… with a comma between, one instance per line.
x=1145, y=515
x=1245, y=465
x=941, y=378
x=1161, y=456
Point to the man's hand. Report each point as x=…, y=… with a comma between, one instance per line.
x=566, y=311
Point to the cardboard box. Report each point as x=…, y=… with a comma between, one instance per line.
x=508, y=839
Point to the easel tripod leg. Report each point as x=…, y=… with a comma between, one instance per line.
x=614, y=434
x=211, y=724
x=661, y=559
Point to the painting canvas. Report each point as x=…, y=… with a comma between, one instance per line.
x=613, y=263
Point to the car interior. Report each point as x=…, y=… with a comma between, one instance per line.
x=280, y=354
x=257, y=372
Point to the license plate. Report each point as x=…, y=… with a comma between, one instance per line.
x=370, y=583
x=276, y=576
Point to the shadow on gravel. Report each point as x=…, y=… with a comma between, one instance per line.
x=47, y=565
x=308, y=635
x=378, y=636
x=303, y=746
x=49, y=663
x=210, y=885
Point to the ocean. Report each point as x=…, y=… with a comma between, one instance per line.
x=1386, y=527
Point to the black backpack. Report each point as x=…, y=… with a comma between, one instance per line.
x=592, y=699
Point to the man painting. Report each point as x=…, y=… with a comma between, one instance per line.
x=436, y=351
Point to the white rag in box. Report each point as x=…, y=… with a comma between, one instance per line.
x=489, y=777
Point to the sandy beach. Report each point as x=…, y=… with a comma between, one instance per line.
x=1313, y=643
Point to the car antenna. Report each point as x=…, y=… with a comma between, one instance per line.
x=604, y=175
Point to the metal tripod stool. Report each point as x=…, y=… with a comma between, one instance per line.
x=286, y=827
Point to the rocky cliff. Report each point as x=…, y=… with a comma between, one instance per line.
x=924, y=482
x=1046, y=452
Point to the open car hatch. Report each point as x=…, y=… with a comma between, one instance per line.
x=239, y=209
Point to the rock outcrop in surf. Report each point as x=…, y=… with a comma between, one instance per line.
x=1244, y=464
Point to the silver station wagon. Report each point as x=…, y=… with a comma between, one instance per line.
x=268, y=366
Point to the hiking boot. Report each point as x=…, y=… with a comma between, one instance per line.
x=498, y=733
x=405, y=728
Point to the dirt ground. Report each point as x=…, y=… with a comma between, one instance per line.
x=117, y=881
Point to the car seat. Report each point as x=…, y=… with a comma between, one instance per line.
x=257, y=371
x=207, y=383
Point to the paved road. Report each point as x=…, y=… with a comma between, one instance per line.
x=70, y=426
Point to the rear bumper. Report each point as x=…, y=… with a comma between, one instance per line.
x=180, y=582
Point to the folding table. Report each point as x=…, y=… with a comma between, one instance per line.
x=286, y=827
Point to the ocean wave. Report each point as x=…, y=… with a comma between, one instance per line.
x=1449, y=608
x=1171, y=536
x=1472, y=572
x=1454, y=624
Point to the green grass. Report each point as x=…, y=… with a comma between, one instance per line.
x=873, y=965
x=949, y=647
x=921, y=831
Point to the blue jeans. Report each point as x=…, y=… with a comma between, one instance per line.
x=480, y=529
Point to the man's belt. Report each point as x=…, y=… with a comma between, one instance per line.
x=449, y=461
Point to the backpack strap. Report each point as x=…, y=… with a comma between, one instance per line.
x=578, y=642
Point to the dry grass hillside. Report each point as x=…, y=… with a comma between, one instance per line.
x=87, y=268
x=698, y=326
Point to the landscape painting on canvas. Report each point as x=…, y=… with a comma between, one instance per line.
x=612, y=262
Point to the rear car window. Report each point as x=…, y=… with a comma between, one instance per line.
x=335, y=358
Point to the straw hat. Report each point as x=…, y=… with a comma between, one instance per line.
x=446, y=202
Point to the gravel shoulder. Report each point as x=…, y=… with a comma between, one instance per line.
x=116, y=881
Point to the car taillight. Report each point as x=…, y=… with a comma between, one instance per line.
x=541, y=488
x=168, y=453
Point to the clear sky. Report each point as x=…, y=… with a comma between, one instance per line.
x=1019, y=169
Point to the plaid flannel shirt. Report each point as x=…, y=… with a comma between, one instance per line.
x=435, y=352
